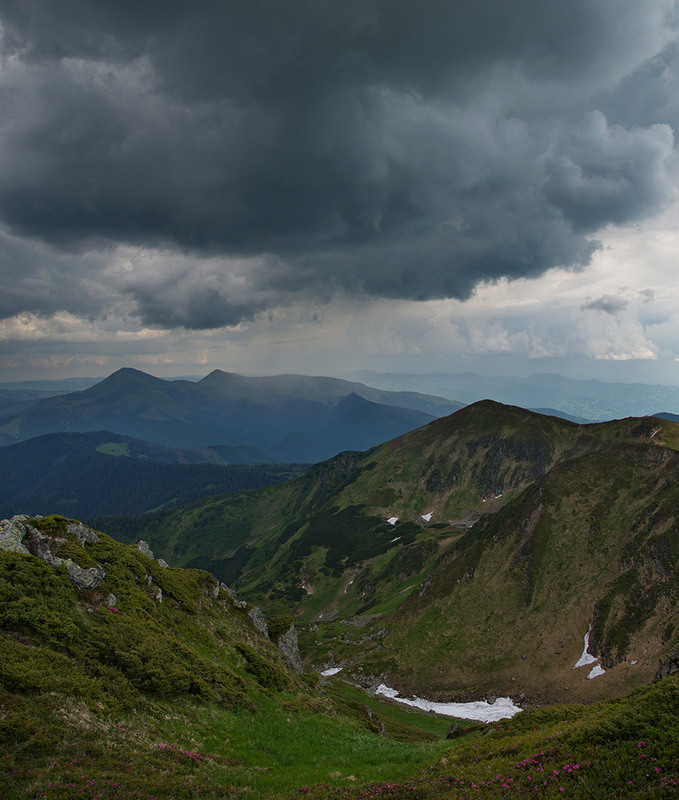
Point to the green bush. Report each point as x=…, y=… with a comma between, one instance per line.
x=279, y=625
x=37, y=600
x=266, y=673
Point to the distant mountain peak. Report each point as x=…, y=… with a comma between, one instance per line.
x=127, y=374
x=218, y=376
x=128, y=371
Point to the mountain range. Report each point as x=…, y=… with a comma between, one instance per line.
x=581, y=400
x=290, y=418
x=465, y=558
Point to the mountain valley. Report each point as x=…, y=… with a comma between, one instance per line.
x=466, y=558
x=123, y=677
x=85, y=475
x=494, y=552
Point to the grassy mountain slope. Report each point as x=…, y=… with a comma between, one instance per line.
x=282, y=415
x=625, y=748
x=430, y=594
x=115, y=444
x=455, y=468
x=506, y=607
x=155, y=683
x=89, y=475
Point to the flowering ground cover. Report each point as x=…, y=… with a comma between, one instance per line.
x=187, y=698
x=286, y=746
x=624, y=748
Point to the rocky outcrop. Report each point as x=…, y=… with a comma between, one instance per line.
x=454, y=731
x=12, y=533
x=229, y=592
x=667, y=667
x=144, y=549
x=83, y=534
x=83, y=578
x=258, y=620
x=19, y=536
x=289, y=646
x=254, y=613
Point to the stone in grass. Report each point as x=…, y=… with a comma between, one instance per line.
x=454, y=731
x=83, y=578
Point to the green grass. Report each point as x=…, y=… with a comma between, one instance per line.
x=398, y=596
x=284, y=746
x=180, y=748
x=114, y=448
x=172, y=699
x=420, y=724
x=624, y=749
x=288, y=745
x=184, y=699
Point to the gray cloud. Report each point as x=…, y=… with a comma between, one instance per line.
x=606, y=303
x=387, y=147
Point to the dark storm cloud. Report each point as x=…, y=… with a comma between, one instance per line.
x=386, y=147
x=40, y=282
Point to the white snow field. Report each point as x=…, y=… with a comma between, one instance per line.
x=587, y=658
x=480, y=710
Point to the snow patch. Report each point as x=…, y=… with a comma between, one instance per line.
x=392, y=520
x=480, y=711
x=427, y=517
x=586, y=657
x=596, y=671
x=332, y=671
x=394, y=540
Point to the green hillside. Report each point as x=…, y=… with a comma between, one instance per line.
x=505, y=608
x=122, y=678
x=428, y=562
x=86, y=475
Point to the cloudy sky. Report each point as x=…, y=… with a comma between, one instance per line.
x=319, y=186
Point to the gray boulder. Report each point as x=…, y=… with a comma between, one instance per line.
x=19, y=536
x=288, y=645
x=82, y=532
x=454, y=731
x=143, y=548
x=83, y=578
x=258, y=620
x=229, y=592
x=12, y=532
